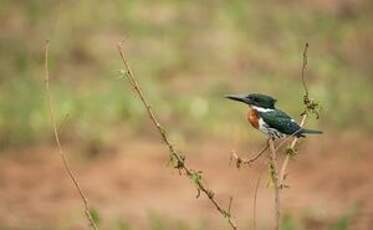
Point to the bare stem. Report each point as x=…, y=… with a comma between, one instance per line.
x=304, y=66
x=307, y=103
x=250, y=160
x=174, y=155
x=287, y=157
x=61, y=152
x=275, y=180
x=255, y=199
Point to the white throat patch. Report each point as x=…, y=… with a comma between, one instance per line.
x=262, y=110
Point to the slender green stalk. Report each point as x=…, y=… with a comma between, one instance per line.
x=61, y=152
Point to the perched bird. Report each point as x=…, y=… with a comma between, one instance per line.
x=271, y=121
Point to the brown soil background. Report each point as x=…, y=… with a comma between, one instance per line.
x=329, y=178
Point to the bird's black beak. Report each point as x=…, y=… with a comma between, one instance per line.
x=239, y=98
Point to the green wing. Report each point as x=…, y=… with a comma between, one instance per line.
x=280, y=121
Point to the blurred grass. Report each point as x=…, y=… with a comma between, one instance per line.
x=187, y=56
x=158, y=221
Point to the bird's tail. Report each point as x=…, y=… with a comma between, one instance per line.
x=310, y=131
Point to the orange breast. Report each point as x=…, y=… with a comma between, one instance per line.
x=253, y=118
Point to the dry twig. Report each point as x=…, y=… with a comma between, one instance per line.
x=255, y=199
x=175, y=156
x=61, y=152
x=304, y=66
x=276, y=182
x=239, y=161
x=290, y=152
x=310, y=106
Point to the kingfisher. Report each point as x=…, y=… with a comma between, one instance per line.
x=273, y=122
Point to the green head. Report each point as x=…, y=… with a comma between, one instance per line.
x=255, y=99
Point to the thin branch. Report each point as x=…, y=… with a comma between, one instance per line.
x=230, y=204
x=290, y=136
x=288, y=156
x=275, y=179
x=239, y=161
x=255, y=199
x=175, y=156
x=304, y=66
x=61, y=152
x=63, y=123
x=309, y=104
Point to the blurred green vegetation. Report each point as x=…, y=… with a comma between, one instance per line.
x=187, y=55
x=157, y=221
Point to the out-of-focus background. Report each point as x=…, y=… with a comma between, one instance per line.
x=187, y=55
